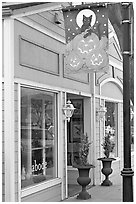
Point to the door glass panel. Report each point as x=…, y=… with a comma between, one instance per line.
x=111, y=124
x=75, y=128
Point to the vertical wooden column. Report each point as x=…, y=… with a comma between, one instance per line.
x=9, y=134
x=127, y=172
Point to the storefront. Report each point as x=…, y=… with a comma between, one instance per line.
x=38, y=143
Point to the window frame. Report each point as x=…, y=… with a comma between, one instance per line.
x=47, y=183
x=116, y=154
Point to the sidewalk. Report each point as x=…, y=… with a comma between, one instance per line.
x=103, y=193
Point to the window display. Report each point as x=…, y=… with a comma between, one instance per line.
x=38, y=136
x=111, y=124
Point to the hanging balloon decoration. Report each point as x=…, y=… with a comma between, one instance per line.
x=87, y=54
x=73, y=62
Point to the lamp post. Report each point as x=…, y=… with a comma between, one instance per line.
x=127, y=172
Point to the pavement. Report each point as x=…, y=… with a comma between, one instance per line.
x=103, y=193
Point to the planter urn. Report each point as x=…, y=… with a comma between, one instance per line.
x=84, y=180
x=106, y=170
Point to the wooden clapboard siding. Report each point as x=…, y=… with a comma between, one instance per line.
x=3, y=155
x=52, y=194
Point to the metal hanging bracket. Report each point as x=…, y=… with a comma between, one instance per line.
x=127, y=53
x=131, y=54
x=125, y=3
x=126, y=21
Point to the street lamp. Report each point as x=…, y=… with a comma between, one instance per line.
x=100, y=113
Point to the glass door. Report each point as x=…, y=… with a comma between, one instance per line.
x=75, y=128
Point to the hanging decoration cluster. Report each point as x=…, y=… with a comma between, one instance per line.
x=86, y=29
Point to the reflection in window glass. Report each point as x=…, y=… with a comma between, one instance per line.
x=75, y=127
x=38, y=136
x=111, y=124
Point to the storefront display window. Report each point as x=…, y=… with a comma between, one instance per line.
x=111, y=124
x=38, y=136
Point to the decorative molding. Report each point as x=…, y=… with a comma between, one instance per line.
x=108, y=98
x=36, y=9
x=27, y=64
x=41, y=29
x=97, y=79
x=78, y=80
x=40, y=187
x=55, y=89
x=6, y=12
x=116, y=65
x=111, y=80
x=120, y=79
x=118, y=83
x=118, y=52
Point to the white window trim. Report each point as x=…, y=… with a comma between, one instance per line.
x=56, y=89
x=19, y=143
x=59, y=91
x=108, y=99
x=9, y=109
x=117, y=103
x=40, y=187
x=117, y=83
x=60, y=143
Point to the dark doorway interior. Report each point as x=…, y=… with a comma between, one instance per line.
x=74, y=129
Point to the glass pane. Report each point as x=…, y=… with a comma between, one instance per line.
x=37, y=113
x=111, y=126
x=75, y=128
x=38, y=137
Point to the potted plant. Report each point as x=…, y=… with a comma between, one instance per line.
x=81, y=163
x=108, y=146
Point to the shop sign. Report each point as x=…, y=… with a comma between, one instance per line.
x=38, y=167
